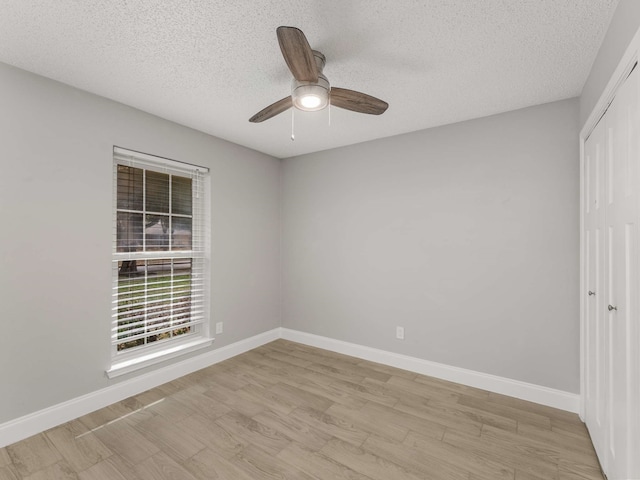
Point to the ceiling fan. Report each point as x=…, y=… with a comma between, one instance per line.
x=310, y=89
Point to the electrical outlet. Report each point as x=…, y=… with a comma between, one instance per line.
x=400, y=333
x=218, y=328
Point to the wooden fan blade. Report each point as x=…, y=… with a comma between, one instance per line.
x=298, y=54
x=272, y=110
x=356, y=101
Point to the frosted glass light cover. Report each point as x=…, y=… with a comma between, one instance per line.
x=309, y=96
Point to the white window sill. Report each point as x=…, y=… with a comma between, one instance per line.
x=133, y=364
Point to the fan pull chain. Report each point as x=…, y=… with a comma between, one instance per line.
x=293, y=136
x=329, y=114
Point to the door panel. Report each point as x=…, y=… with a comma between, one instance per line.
x=621, y=289
x=595, y=375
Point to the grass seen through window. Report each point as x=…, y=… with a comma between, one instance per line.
x=153, y=303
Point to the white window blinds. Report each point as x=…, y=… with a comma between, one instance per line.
x=159, y=256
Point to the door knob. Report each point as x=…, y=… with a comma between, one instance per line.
x=591, y=293
x=611, y=307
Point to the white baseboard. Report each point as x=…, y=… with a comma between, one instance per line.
x=23, y=427
x=513, y=388
x=28, y=425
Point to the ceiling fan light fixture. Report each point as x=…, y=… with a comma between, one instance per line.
x=310, y=89
x=310, y=96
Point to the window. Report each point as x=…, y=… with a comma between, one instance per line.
x=159, y=260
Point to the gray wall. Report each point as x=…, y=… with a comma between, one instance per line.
x=624, y=25
x=55, y=234
x=465, y=235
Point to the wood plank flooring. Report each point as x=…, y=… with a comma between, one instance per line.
x=288, y=411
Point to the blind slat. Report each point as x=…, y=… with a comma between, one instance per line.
x=143, y=313
x=115, y=340
x=146, y=325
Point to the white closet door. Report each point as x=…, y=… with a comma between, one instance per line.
x=621, y=275
x=595, y=331
x=612, y=331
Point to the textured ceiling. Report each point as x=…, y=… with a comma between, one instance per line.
x=212, y=64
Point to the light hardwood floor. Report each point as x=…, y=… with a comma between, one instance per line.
x=288, y=411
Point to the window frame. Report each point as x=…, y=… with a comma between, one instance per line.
x=129, y=360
